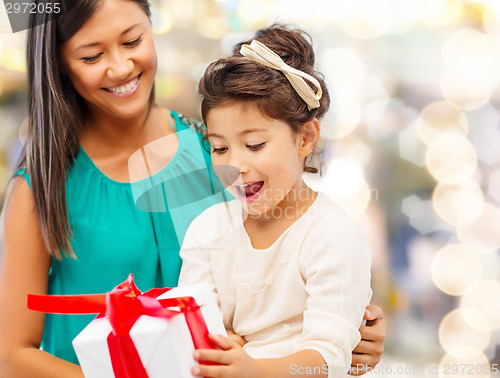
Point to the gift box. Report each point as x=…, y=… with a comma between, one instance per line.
x=140, y=335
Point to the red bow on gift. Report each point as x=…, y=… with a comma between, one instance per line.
x=122, y=306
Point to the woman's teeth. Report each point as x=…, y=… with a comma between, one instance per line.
x=125, y=87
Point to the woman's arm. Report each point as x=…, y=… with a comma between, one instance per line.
x=24, y=269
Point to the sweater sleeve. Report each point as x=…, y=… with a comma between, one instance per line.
x=335, y=265
x=195, y=252
x=195, y=260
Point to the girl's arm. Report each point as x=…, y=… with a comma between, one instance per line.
x=195, y=262
x=336, y=269
x=24, y=269
x=236, y=363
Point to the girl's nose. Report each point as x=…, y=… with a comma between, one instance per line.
x=239, y=163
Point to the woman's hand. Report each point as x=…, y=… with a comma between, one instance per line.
x=367, y=353
x=232, y=360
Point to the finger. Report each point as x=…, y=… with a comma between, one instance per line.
x=363, y=359
x=370, y=357
x=221, y=341
x=211, y=371
x=238, y=339
x=378, y=322
x=211, y=355
x=373, y=333
x=364, y=347
x=373, y=312
x=357, y=370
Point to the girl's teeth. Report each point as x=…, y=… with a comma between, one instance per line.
x=126, y=87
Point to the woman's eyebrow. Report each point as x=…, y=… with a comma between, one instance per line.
x=98, y=43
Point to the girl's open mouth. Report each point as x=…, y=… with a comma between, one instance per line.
x=249, y=191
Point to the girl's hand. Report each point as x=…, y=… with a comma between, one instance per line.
x=367, y=353
x=236, y=338
x=232, y=360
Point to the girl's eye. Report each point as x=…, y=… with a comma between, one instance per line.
x=134, y=42
x=220, y=150
x=255, y=147
x=92, y=59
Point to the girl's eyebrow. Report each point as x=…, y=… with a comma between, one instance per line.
x=98, y=43
x=244, y=132
x=253, y=130
x=214, y=135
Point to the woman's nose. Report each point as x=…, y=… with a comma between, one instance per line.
x=120, y=67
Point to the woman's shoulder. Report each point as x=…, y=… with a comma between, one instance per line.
x=191, y=122
x=23, y=172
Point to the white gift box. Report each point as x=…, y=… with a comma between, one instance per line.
x=164, y=346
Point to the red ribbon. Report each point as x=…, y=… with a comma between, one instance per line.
x=122, y=306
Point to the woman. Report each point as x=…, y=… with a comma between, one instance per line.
x=72, y=223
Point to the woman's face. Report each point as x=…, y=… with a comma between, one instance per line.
x=112, y=60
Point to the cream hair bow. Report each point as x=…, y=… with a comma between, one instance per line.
x=260, y=53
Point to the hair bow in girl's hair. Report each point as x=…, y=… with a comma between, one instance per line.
x=260, y=53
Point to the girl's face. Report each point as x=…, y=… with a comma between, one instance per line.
x=112, y=60
x=267, y=153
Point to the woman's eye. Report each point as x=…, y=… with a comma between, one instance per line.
x=91, y=59
x=134, y=42
x=255, y=147
x=219, y=150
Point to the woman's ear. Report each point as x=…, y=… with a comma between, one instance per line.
x=308, y=137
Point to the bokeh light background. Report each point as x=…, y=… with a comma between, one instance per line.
x=413, y=147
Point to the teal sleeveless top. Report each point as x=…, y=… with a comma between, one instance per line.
x=120, y=228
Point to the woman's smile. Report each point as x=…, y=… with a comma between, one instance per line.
x=127, y=89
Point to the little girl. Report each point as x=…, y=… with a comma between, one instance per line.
x=290, y=270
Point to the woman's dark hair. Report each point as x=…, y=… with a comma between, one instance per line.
x=56, y=112
x=239, y=79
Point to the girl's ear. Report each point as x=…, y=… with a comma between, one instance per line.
x=308, y=137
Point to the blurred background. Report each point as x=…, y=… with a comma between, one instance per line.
x=412, y=151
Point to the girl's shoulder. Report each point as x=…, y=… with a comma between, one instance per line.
x=328, y=220
x=325, y=209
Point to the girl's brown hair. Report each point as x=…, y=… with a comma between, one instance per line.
x=237, y=78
